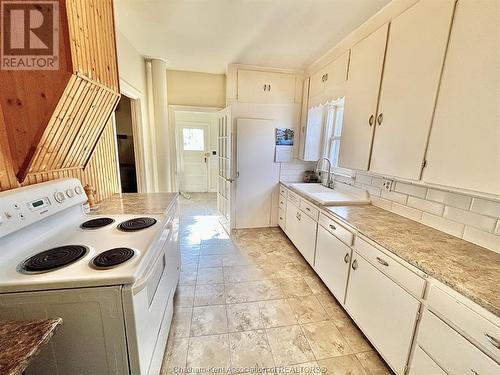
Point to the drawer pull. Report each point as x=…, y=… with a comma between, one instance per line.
x=308, y=209
x=346, y=258
x=382, y=262
x=333, y=227
x=493, y=341
x=298, y=216
x=354, y=264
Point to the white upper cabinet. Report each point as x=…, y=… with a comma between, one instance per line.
x=255, y=86
x=464, y=144
x=365, y=71
x=329, y=83
x=415, y=52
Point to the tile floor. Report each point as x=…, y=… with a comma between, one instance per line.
x=250, y=303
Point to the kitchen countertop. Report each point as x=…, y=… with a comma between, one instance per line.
x=20, y=342
x=136, y=204
x=471, y=270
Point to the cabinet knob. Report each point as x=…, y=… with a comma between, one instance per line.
x=346, y=258
x=371, y=120
x=326, y=77
x=380, y=118
x=354, y=264
x=333, y=227
x=265, y=87
x=382, y=262
x=268, y=87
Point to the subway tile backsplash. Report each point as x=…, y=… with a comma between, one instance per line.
x=474, y=219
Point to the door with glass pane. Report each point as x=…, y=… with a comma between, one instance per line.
x=193, y=143
x=225, y=177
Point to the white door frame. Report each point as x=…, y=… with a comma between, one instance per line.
x=136, y=98
x=172, y=110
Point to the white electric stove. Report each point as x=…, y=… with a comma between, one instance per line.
x=111, y=278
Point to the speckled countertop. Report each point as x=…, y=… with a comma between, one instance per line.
x=469, y=269
x=21, y=340
x=136, y=204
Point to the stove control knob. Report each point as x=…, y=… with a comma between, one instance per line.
x=59, y=197
x=79, y=190
x=70, y=193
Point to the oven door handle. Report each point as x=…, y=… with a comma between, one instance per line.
x=142, y=282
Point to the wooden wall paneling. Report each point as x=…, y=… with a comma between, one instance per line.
x=8, y=179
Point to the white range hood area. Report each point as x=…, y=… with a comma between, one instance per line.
x=326, y=196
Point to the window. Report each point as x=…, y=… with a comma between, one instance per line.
x=193, y=139
x=333, y=131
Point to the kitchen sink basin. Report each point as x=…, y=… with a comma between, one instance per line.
x=332, y=197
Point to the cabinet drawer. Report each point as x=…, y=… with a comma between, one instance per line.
x=480, y=330
x=281, y=219
x=294, y=198
x=422, y=364
x=309, y=209
x=283, y=191
x=336, y=229
x=451, y=351
x=282, y=202
x=396, y=271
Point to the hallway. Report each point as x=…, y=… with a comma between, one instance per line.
x=251, y=303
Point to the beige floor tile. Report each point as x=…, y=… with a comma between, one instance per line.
x=244, y=317
x=289, y=346
x=325, y=340
x=175, y=356
x=208, y=261
x=181, y=322
x=357, y=341
x=212, y=294
x=239, y=274
x=184, y=296
x=333, y=308
x=276, y=313
x=208, y=351
x=316, y=285
x=209, y=320
x=211, y=275
x=373, y=364
x=249, y=350
x=295, y=287
x=238, y=259
x=308, y=309
x=345, y=365
x=188, y=277
x=252, y=291
x=307, y=368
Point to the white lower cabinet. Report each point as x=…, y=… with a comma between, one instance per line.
x=422, y=364
x=332, y=262
x=450, y=350
x=384, y=311
x=301, y=230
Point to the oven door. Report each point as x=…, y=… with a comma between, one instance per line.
x=146, y=304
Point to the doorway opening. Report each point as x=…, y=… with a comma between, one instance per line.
x=125, y=145
x=196, y=141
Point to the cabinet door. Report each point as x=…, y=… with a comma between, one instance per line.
x=464, y=143
x=306, y=237
x=317, y=85
x=281, y=88
x=414, y=58
x=422, y=364
x=336, y=76
x=252, y=86
x=292, y=227
x=384, y=311
x=332, y=262
x=365, y=71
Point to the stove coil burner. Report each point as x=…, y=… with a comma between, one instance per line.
x=113, y=257
x=137, y=224
x=97, y=223
x=54, y=258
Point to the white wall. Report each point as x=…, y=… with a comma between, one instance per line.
x=132, y=71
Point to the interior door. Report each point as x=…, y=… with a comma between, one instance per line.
x=365, y=72
x=193, y=144
x=415, y=53
x=258, y=174
x=224, y=174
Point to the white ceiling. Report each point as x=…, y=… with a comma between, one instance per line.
x=206, y=35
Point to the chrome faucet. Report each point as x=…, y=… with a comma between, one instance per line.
x=329, y=179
